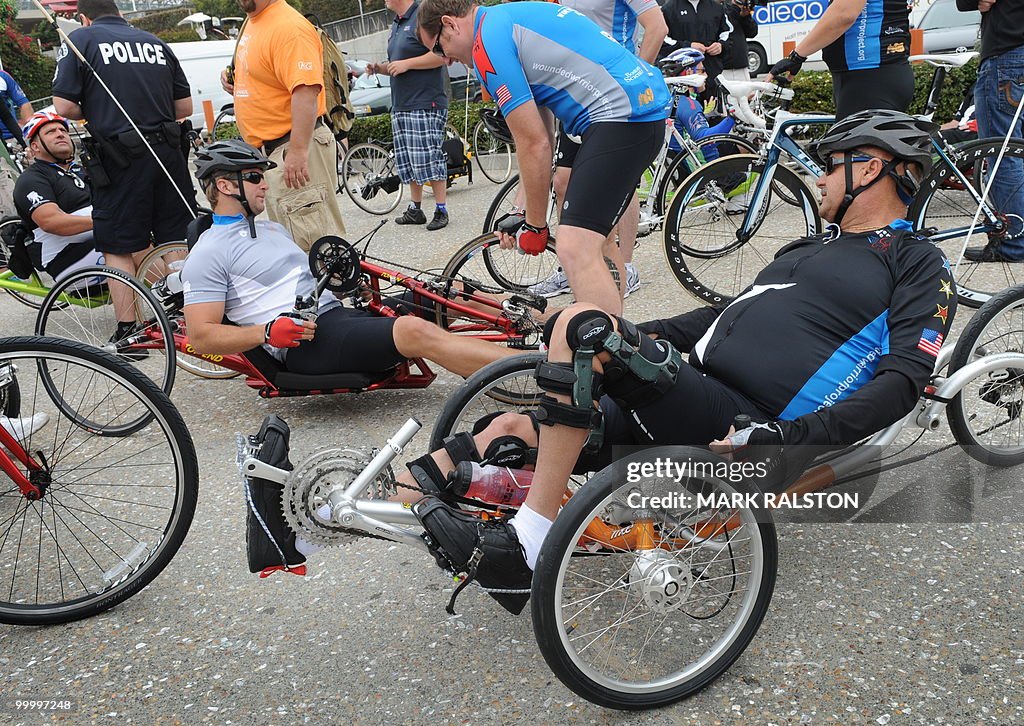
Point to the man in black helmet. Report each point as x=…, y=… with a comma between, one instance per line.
x=835, y=340
x=251, y=272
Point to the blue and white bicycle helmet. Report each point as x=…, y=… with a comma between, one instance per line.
x=681, y=60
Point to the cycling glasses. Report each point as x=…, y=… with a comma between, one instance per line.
x=833, y=162
x=437, y=49
x=253, y=177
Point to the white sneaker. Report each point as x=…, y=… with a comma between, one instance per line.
x=738, y=204
x=22, y=428
x=632, y=279
x=556, y=284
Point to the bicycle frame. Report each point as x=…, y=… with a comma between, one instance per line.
x=8, y=281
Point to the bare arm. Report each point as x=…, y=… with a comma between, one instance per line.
x=208, y=334
x=655, y=30
x=182, y=108
x=421, y=62
x=836, y=20
x=25, y=112
x=296, y=161
x=51, y=218
x=533, y=151
x=67, y=109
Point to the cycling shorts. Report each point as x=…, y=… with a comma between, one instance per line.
x=606, y=171
x=565, y=151
x=889, y=86
x=346, y=341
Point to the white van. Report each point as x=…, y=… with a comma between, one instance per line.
x=778, y=22
x=202, y=62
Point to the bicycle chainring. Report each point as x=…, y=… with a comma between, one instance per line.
x=309, y=485
x=333, y=256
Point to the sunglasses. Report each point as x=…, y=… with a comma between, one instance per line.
x=834, y=162
x=437, y=49
x=253, y=177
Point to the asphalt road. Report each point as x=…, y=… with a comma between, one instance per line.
x=870, y=623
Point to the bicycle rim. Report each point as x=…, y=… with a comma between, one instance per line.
x=494, y=157
x=368, y=175
x=114, y=511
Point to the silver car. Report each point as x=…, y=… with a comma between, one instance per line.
x=946, y=29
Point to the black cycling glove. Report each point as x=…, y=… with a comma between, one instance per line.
x=790, y=65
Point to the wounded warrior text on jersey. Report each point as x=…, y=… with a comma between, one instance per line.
x=564, y=62
x=879, y=35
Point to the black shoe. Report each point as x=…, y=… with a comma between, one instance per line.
x=124, y=348
x=269, y=541
x=440, y=220
x=989, y=253
x=488, y=552
x=412, y=215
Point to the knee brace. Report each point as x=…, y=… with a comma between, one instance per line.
x=508, y=450
x=641, y=370
x=459, y=447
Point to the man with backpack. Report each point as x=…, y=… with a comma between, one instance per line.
x=419, y=111
x=280, y=106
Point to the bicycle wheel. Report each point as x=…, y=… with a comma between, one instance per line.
x=494, y=157
x=985, y=417
x=703, y=245
x=33, y=301
x=89, y=317
x=663, y=599
x=156, y=265
x=506, y=201
x=113, y=512
x=506, y=385
x=371, y=179
x=225, y=127
x=482, y=259
x=684, y=164
x=947, y=206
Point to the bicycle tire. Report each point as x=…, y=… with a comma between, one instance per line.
x=680, y=167
x=948, y=208
x=364, y=168
x=996, y=328
x=510, y=270
x=507, y=384
x=574, y=636
x=25, y=299
x=151, y=269
x=719, y=269
x=498, y=154
x=93, y=322
x=101, y=532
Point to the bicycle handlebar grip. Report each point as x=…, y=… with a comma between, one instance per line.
x=510, y=223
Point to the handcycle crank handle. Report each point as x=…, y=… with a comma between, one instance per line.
x=395, y=445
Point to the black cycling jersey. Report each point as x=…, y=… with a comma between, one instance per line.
x=822, y=320
x=43, y=183
x=880, y=35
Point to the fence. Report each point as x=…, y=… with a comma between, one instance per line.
x=359, y=26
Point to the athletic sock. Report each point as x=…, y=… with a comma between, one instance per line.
x=531, y=529
x=443, y=208
x=414, y=205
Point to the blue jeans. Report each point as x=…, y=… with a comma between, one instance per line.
x=998, y=93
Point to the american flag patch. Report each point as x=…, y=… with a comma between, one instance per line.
x=930, y=342
x=502, y=95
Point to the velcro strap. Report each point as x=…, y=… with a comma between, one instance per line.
x=510, y=451
x=461, y=447
x=629, y=332
x=428, y=475
x=555, y=377
x=552, y=412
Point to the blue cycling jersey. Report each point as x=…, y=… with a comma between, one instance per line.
x=690, y=116
x=562, y=61
x=618, y=17
x=880, y=35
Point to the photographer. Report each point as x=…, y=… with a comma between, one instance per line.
x=740, y=14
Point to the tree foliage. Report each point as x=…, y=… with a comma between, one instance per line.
x=21, y=55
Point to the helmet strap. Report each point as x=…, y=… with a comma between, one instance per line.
x=888, y=169
x=249, y=216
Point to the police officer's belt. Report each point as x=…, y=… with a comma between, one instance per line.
x=153, y=138
x=270, y=146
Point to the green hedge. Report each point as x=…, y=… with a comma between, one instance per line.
x=379, y=127
x=814, y=90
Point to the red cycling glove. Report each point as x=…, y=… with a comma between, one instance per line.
x=532, y=240
x=283, y=332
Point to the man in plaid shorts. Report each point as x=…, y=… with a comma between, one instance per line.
x=419, y=110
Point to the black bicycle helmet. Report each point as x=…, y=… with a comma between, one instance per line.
x=496, y=124
x=230, y=155
x=908, y=139
x=905, y=137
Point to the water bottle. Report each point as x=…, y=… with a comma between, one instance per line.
x=492, y=484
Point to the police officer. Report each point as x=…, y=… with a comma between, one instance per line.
x=133, y=199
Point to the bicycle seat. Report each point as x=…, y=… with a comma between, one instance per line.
x=946, y=60
x=196, y=227
x=695, y=80
x=743, y=89
x=285, y=380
